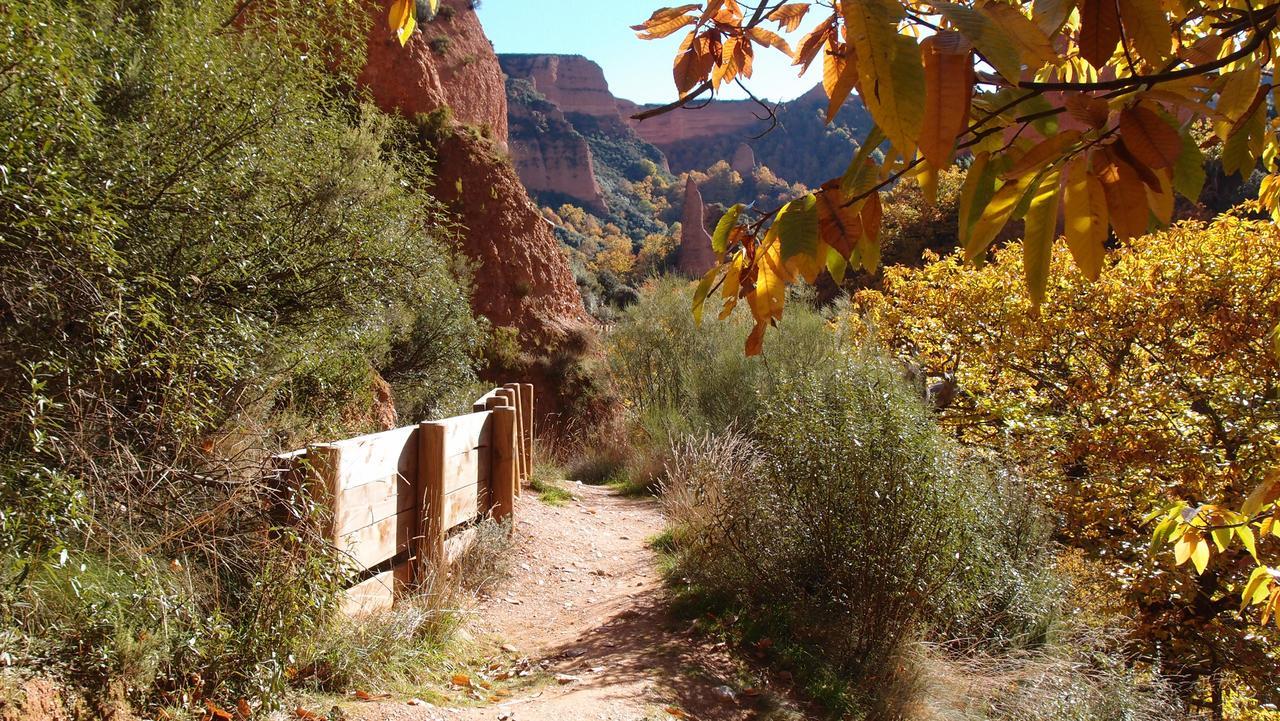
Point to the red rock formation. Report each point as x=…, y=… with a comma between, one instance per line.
x=574, y=83
x=414, y=79
x=523, y=280
x=522, y=276
x=695, y=257
x=721, y=118
x=744, y=160
x=551, y=156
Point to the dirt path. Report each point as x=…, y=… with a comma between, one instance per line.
x=585, y=602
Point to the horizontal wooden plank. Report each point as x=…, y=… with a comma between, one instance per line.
x=371, y=502
x=375, y=594
x=462, y=433
x=455, y=545
x=377, y=457
x=368, y=546
x=461, y=506
x=466, y=468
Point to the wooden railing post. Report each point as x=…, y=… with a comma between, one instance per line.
x=430, y=498
x=526, y=407
x=503, y=464
x=512, y=391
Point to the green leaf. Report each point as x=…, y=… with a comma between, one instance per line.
x=1188, y=172
x=700, y=295
x=837, y=265
x=1245, y=533
x=797, y=225
x=1051, y=14
x=1237, y=153
x=996, y=213
x=720, y=239
x=979, y=185
x=1222, y=537
x=1024, y=203
x=1160, y=536
x=1155, y=513
x=859, y=176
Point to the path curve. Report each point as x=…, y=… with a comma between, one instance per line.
x=586, y=600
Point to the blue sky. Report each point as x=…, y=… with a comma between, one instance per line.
x=636, y=69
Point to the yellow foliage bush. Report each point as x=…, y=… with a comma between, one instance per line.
x=1157, y=382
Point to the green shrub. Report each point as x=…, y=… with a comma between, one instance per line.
x=851, y=525
x=681, y=378
x=208, y=249
x=812, y=494
x=546, y=480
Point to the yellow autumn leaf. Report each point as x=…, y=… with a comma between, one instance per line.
x=1200, y=553
x=995, y=215
x=402, y=17
x=1085, y=218
x=889, y=69
x=1041, y=228
x=1147, y=26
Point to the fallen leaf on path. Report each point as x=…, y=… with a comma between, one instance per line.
x=461, y=679
x=306, y=715
x=678, y=713
x=245, y=710
x=562, y=678
x=417, y=702
x=216, y=712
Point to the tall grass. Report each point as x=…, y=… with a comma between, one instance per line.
x=403, y=648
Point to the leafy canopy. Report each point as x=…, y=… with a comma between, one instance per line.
x=1080, y=106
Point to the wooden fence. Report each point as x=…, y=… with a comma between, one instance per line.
x=405, y=502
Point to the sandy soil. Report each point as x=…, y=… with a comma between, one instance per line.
x=585, y=605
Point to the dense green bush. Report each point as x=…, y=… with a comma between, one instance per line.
x=811, y=489
x=209, y=248
x=858, y=527
x=681, y=378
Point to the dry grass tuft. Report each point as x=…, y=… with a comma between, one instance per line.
x=1075, y=679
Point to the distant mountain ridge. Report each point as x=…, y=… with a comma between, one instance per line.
x=566, y=125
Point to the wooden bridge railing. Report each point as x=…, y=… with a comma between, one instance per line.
x=405, y=502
